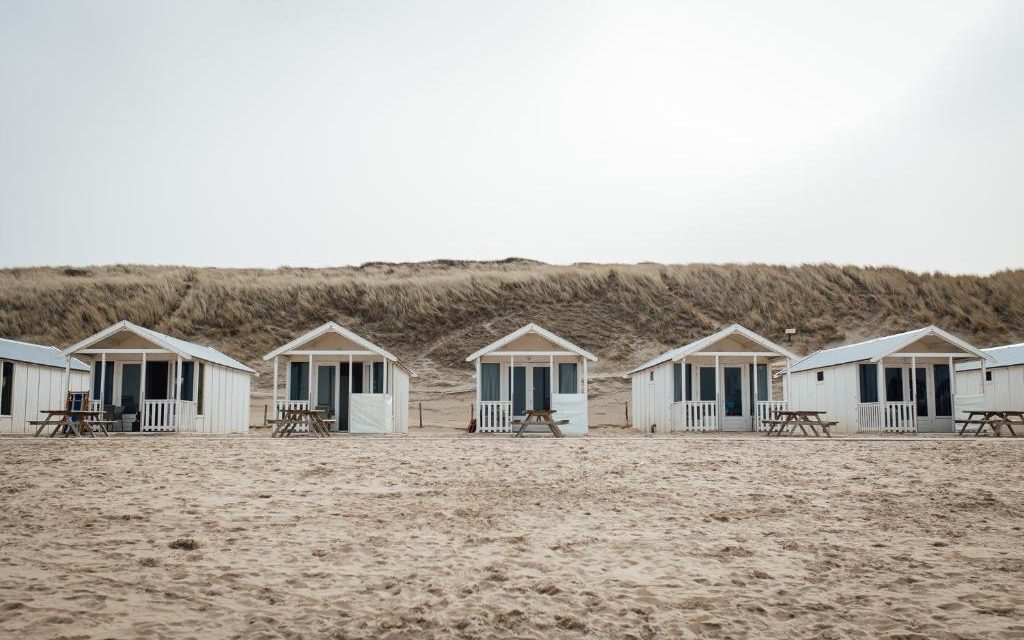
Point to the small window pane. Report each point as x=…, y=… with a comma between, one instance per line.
x=567, y=377
x=6, y=387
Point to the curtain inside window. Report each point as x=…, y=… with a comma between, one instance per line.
x=707, y=384
x=677, y=382
x=868, y=375
x=567, y=377
x=490, y=381
x=299, y=381
x=893, y=384
x=187, y=373
x=6, y=387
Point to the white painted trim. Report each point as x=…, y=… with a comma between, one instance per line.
x=542, y=332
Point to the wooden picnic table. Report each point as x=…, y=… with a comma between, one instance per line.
x=541, y=417
x=992, y=419
x=789, y=420
x=72, y=422
x=291, y=419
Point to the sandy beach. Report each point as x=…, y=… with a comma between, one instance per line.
x=188, y=537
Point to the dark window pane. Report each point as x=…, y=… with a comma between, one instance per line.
x=202, y=388
x=869, y=383
x=108, y=383
x=733, y=383
x=943, y=403
x=299, y=381
x=567, y=377
x=921, y=391
x=187, y=373
x=6, y=387
x=490, y=381
x=378, y=377
x=707, y=383
x=689, y=383
x=677, y=382
x=893, y=384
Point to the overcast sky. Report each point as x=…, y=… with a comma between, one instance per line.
x=332, y=133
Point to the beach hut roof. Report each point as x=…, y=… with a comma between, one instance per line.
x=1010, y=355
x=37, y=354
x=538, y=330
x=878, y=348
x=178, y=346
x=699, y=345
x=334, y=327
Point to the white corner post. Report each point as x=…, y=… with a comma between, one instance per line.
x=177, y=394
x=103, y=379
x=880, y=371
x=67, y=377
x=585, y=387
x=718, y=394
x=551, y=382
x=787, y=382
x=984, y=374
x=309, y=382
x=273, y=400
x=913, y=389
x=952, y=392
x=476, y=408
x=142, y=394
x=511, y=387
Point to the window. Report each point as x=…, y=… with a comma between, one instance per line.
x=490, y=381
x=201, y=394
x=868, y=376
x=298, y=381
x=650, y=376
x=943, y=402
x=689, y=382
x=107, y=383
x=677, y=382
x=762, y=383
x=6, y=387
x=988, y=376
x=378, y=377
x=707, y=384
x=187, y=375
x=821, y=376
x=567, y=381
x=921, y=391
x=893, y=384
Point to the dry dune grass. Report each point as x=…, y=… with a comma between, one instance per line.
x=434, y=313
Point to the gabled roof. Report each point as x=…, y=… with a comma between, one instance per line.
x=878, y=348
x=334, y=327
x=178, y=346
x=699, y=345
x=541, y=331
x=37, y=354
x=1011, y=355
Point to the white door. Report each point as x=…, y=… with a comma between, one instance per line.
x=735, y=391
x=326, y=392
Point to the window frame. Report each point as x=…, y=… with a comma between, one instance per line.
x=7, y=389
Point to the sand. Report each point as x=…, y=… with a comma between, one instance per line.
x=478, y=537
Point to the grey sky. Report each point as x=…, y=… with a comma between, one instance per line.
x=325, y=133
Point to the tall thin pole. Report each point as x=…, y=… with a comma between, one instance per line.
x=142, y=394
x=274, y=397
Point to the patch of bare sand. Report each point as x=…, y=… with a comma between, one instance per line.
x=494, y=537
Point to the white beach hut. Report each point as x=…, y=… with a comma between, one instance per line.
x=359, y=385
x=531, y=368
x=722, y=382
x=902, y=383
x=34, y=378
x=148, y=381
x=997, y=384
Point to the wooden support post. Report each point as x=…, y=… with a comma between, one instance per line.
x=421, y=415
x=309, y=382
x=551, y=382
x=142, y=394
x=477, y=365
x=880, y=375
x=952, y=393
x=626, y=405
x=273, y=400
x=103, y=379
x=177, y=394
x=718, y=393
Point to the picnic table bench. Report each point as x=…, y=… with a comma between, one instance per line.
x=292, y=420
x=993, y=420
x=787, y=421
x=541, y=417
x=72, y=422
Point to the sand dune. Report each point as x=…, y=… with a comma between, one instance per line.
x=176, y=537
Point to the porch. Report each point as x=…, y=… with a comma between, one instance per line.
x=509, y=385
x=733, y=392
x=907, y=393
x=145, y=390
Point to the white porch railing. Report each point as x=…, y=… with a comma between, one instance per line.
x=887, y=417
x=765, y=410
x=699, y=415
x=168, y=415
x=95, y=405
x=494, y=416
x=285, y=405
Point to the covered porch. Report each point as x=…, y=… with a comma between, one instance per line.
x=910, y=386
x=349, y=379
x=531, y=369
x=141, y=384
x=725, y=382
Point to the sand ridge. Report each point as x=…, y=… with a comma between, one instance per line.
x=493, y=538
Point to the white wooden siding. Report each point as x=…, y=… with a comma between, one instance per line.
x=225, y=400
x=37, y=388
x=1004, y=391
x=401, y=400
x=837, y=395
